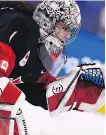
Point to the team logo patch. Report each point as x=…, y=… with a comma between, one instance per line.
x=57, y=88
x=4, y=65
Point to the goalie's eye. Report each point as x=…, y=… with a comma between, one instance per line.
x=65, y=28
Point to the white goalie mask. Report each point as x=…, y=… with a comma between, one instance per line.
x=58, y=17
x=59, y=24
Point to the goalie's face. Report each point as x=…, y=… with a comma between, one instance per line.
x=62, y=31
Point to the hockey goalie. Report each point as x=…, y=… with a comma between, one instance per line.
x=32, y=46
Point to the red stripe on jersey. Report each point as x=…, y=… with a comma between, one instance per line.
x=7, y=55
x=46, y=78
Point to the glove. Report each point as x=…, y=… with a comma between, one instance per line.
x=82, y=89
